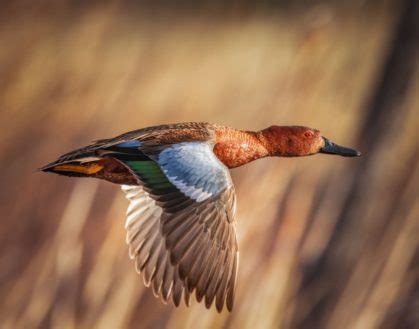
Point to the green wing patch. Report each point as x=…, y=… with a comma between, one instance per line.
x=150, y=173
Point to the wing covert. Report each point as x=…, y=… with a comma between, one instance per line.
x=194, y=169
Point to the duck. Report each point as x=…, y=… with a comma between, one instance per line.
x=180, y=222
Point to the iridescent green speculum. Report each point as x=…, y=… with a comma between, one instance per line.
x=150, y=173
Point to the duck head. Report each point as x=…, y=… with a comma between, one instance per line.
x=290, y=141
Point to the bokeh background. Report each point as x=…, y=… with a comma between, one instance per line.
x=325, y=242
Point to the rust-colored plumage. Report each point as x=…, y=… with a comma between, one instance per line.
x=180, y=224
x=235, y=147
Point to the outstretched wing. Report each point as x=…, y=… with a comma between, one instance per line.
x=180, y=224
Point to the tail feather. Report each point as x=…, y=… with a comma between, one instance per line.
x=63, y=161
x=74, y=168
x=99, y=161
x=80, y=162
x=89, y=169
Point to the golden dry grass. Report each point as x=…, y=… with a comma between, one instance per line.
x=325, y=242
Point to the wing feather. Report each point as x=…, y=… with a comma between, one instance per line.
x=183, y=235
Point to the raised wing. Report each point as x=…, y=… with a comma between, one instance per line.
x=180, y=224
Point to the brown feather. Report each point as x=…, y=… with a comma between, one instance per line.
x=212, y=285
x=222, y=287
x=232, y=283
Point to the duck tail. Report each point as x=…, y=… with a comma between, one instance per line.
x=80, y=163
x=77, y=169
x=99, y=160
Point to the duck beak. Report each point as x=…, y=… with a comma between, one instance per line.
x=332, y=148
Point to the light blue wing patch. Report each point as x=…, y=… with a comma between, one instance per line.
x=130, y=144
x=194, y=169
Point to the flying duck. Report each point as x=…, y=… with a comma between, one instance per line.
x=181, y=226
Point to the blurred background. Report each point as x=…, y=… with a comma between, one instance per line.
x=325, y=242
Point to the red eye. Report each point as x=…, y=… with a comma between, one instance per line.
x=308, y=134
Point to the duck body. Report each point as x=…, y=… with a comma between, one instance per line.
x=180, y=223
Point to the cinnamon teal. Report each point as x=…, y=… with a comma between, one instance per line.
x=180, y=224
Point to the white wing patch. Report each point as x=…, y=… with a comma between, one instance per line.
x=194, y=169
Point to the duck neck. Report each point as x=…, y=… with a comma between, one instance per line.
x=235, y=148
